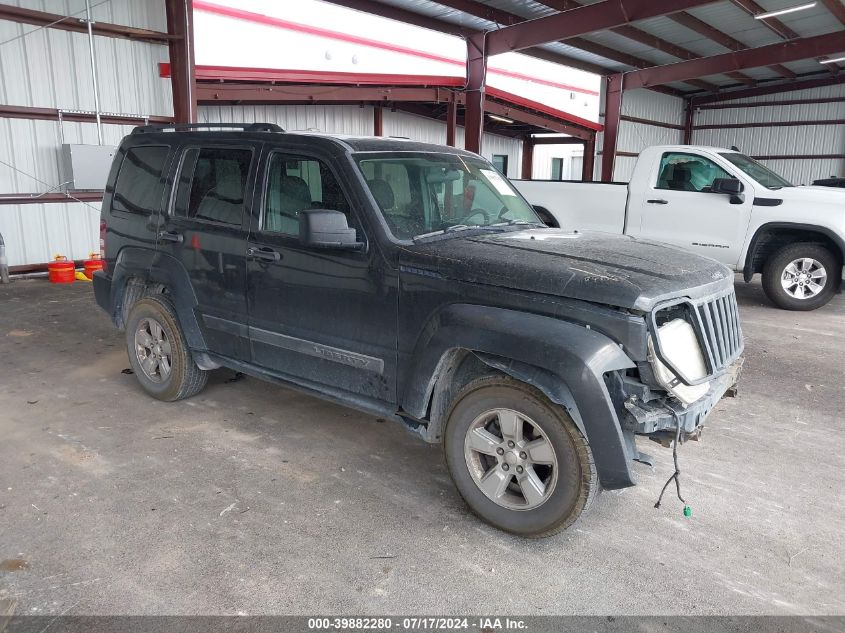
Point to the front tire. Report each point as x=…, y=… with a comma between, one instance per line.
x=802, y=276
x=518, y=461
x=158, y=353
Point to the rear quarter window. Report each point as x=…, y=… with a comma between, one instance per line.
x=139, y=186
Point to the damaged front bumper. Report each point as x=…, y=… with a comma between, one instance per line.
x=659, y=416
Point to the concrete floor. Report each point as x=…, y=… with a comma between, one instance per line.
x=250, y=498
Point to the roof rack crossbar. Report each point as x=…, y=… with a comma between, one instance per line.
x=246, y=127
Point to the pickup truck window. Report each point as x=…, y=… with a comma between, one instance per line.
x=688, y=172
x=211, y=184
x=424, y=193
x=760, y=173
x=297, y=183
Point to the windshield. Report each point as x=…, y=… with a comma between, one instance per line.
x=424, y=193
x=758, y=172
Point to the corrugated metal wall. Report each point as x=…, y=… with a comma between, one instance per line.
x=635, y=137
x=787, y=140
x=355, y=120
x=50, y=68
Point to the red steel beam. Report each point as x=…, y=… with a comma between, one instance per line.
x=48, y=198
x=794, y=50
x=452, y=123
x=689, y=122
x=378, y=121
x=588, y=165
x=527, y=159
x=652, y=122
x=836, y=8
x=180, y=24
x=612, y=117
x=475, y=87
x=773, y=24
x=768, y=90
x=52, y=114
x=211, y=93
x=506, y=18
x=586, y=19
x=770, y=124
x=409, y=17
x=769, y=104
x=72, y=23
x=712, y=33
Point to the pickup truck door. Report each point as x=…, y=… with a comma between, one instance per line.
x=677, y=207
x=322, y=318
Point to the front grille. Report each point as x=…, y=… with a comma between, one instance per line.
x=720, y=330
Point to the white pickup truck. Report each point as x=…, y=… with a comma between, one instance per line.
x=719, y=203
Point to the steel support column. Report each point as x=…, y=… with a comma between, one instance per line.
x=527, y=158
x=180, y=23
x=476, y=83
x=612, y=116
x=378, y=121
x=589, y=162
x=689, y=122
x=452, y=122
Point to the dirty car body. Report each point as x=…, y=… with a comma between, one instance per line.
x=436, y=289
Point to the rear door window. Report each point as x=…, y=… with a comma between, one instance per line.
x=139, y=186
x=212, y=184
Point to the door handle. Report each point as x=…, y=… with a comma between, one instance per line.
x=659, y=201
x=171, y=236
x=267, y=254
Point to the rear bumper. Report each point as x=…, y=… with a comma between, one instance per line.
x=656, y=416
x=102, y=291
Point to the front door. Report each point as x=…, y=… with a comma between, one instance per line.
x=206, y=231
x=319, y=317
x=678, y=208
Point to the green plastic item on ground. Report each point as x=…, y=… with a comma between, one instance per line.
x=687, y=511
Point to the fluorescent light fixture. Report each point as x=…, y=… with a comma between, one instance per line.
x=832, y=60
x=773, y=14
x=502, y=119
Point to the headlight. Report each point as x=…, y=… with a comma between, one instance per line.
x=680, y=347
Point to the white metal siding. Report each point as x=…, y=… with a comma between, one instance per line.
x=635, y=137
x=787, y=140
x=572, y=156
x=50, y=68
x=34, y=233
x=357, y=121
x=338, y=119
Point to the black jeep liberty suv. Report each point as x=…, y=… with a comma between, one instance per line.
x=413, y=282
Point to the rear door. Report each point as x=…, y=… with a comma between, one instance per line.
x=206, y=232
x=677, y=207
x=318, y=316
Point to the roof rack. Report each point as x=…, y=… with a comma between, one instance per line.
x=246, y=127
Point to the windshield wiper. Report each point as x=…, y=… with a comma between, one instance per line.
x=449, y=229
x=518, y=223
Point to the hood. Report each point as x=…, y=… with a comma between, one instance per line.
x=614, y=270
x=810, y=193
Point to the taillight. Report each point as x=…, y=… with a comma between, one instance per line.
x=103, y=242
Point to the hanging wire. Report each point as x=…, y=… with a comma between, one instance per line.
x=46, y=184
x=677, y=474
x=54, y=23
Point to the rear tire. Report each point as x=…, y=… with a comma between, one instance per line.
x=518, y=460
x=802, y=276
x=158, y=353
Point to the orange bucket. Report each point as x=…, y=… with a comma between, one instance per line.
x=92, y=264
x=61, y=271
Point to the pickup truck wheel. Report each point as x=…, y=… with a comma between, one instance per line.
x=157, y=351
x=518, y=461
x=801, y=276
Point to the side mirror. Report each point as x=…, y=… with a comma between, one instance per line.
x=324, y=228
x=731, y=187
